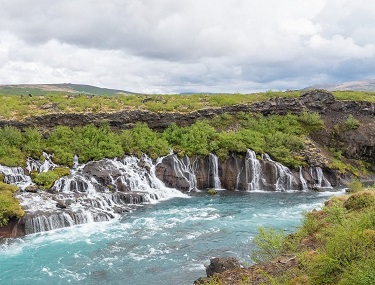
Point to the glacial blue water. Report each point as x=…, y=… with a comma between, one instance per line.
x=164, y=243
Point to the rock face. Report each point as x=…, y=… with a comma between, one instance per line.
x=240, y=172
x=220, y=264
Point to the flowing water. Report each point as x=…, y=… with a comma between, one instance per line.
x=164, y=243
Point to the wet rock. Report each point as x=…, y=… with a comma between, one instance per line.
x=166, y=172
x=33, y=188
x=220, y=264
x=103, y=171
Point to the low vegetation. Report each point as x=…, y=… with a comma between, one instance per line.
x=45, y=180
x=9, y=205
x=19, y=104
x=279, y=136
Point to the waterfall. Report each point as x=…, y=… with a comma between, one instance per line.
x=285, y=179
x=93, y=192
x=185, y=169
x=320, y=181
x=253, y=171
x=15, y=175
x=213, y=170
x=44, y=166
x=302, y=179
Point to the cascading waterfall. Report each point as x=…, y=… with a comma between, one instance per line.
x=214, y=170
x=101, y=190
x=285, y=178
x=320, y=181
x=253, y=171
x=38, y=166
x=303, y=180
x=93, y=192
x=186, y=169
x=16, y=176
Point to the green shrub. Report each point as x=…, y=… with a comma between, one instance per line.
x=311, y=121
x=355, y=186
x=360, y=200
x=46, y=179
x=270, y=244
x=360, y=273
x=9, y=205
x=351, y=123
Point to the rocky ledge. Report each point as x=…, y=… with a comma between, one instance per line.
x=358, y=143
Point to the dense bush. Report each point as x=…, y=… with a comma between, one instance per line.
x=45, y=180
x=9, y=206
x=270, y=244
x=279, y=136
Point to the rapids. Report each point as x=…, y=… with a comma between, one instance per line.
x=164, y=243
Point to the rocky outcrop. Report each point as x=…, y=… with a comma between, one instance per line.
x=217, y=266
x=241, y=172
x=14, y=228
x=220, y=264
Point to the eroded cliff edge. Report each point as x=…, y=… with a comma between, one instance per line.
x=358, y=143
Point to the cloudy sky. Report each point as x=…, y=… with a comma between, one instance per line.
x=165, y=46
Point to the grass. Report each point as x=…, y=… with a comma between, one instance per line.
x=39, y=103
x=334, y=246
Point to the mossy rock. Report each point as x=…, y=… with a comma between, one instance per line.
x=211, y=192
x=2, y=176
x=360, y=200
x=45, y=180
x=9, y=205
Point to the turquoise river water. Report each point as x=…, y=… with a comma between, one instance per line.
x=165, y=243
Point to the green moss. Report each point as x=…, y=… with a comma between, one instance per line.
x=8, y=187
x=9, y=205
x=46, y=179
x=211, y=192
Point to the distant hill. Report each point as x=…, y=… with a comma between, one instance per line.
x=360, y=85
x=43, y=89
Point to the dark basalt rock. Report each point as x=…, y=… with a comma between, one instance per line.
x=166, y=172
x=103, y=171
x=32, y=188
x=220, y=264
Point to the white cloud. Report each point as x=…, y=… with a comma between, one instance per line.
x=175, y=45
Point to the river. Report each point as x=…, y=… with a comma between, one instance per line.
x=164, y=243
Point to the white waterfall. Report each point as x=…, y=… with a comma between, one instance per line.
x=253, y=171
x=40, y=166
x=186, y=169
x=303, y=180
x=285, y=179
x=319, y=179
x=214, y=170
x=83, y=197
x=16, y=176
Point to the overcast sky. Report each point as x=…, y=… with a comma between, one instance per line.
x=165, y=46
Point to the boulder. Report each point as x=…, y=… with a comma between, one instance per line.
x=220, y=264
x=33, y=188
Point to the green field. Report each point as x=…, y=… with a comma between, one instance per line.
x=18, y=103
